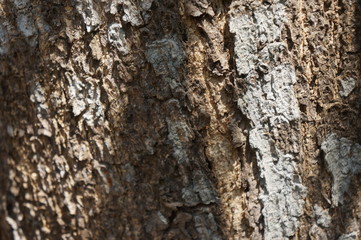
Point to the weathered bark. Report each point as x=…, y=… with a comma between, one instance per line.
x=189, y=119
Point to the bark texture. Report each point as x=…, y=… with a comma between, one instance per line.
x=189, y=119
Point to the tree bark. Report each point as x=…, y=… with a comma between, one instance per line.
x=189, y=119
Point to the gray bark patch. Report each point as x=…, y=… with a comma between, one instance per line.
x=91, y=17
x=116, y=36
x=270, y=103
x=166, y=57
x=323, y=218
x=4, y=40
x=343, y=162
x=349, y=236
x=347, y=86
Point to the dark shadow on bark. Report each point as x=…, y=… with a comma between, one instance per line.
x=17, y=65
x=160, y=135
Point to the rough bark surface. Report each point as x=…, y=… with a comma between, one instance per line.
x=189, y=119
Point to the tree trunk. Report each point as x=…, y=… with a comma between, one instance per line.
x=189, y=119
